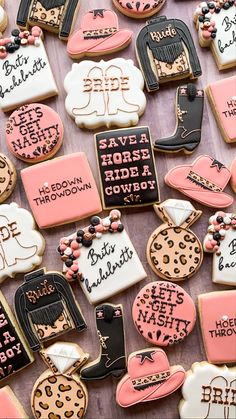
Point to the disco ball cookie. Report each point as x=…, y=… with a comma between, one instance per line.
x=8, y=177
x=138, y=9
x=163, y=313
x=34, y=133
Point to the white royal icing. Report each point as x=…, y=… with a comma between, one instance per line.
x=105, y=93
x=21, y=246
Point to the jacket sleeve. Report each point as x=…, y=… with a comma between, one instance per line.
x=23, y=320
x=23, y=13
x=67, y=295
x=188, y=41
x=144, y=60
x=68, y=18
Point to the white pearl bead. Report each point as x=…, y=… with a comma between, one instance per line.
x=37, y=42
x=98, y=235
x=208, y=15
x=212, y=218
x=210, y=237
x=106, y=222
x=222, y=232
x=227, y=220
x=68, y=251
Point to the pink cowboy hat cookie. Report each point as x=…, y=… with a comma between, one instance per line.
x=99, y=33
x=204, y=180
x=149, y=377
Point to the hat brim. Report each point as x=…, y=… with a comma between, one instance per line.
x=78, y=46
x=127, y=396
x=177, y=178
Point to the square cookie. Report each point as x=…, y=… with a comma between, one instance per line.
x=61, y=190
x=222, y=98
x=217, y=312
x=10, y=406
x=127, y=168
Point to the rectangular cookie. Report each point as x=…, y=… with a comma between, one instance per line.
x=10, y=407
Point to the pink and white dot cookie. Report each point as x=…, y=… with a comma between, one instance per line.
x=138, y=9
x=34, y=132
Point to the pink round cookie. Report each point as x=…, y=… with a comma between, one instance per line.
x=34, y=132
x=163, y=313
x=138, y=9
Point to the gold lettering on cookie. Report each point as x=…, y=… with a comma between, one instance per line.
x=169, y=31
x=8, y=231
x=106, y=84
x=35, y=295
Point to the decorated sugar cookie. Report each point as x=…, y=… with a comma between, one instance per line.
x=102, y=257
x=7, y=177
x=217, y=312
x=64, y=183
x=150, y=377
x=233, y=175
x=204, y=180
x=45, y=307
x=58, y=392
x=221, y=241
x=3, y=18
x=56, y=16
x=222, y=98
x=99, y=34
x=166, y=52
x=25, y=72
x=127, y=167
x=215, y=22
x=15, y=354
x=112, y=358
x=21, y=246
x=34, y=132
x=163, y=313
x=138, y=9
x=107, y=93
x=174, y=252
x=10, y=406
x=208, y=392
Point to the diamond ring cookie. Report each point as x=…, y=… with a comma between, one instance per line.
x=58, y=392
x=127, y=168
x=21, y=246
x=12, y=406
x=166, y=52
x=139, y=9
x=34, y=133
x=3, y=18
x=8, y=177
x=208, y=392
x=150, y=377
x=174, y=252
x=215, y=23
x=218, y=316
x=163, y=313
x=222, y=98
x=107, y=93
x=102, y=257
x=204, y=180
x=221, y=241
x=99, y=34
x=25, y=72
x=57, y=16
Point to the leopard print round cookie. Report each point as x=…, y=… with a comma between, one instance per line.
x=7, y=177
x=138, y=9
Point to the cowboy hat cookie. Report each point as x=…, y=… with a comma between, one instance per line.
x=166, y=52
x=204, y=180
x=112, y=358
x=139, y=9
x=58, y=392
x=99, y=34
x=222, y=97
x=56, y=16
x=215, y=22
x=208, y=392
x=107, y=93
x=102, y=257
x=21, y=246
x=10, y=406
x=149, y=377
x=174, y=252
x=218, y=320
x=66, y=182
x=163, y=313
x=3, y=18
x=45, y=307
x=14, y=352
x=8, y=177
x=189, y=112
x=34, y=133
x=221, y=241
x=127, y=168
x=25, y=72
x=233, y=175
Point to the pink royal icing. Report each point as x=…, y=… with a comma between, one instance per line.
x=8, y=408
x=139, y=8
x=233, y=175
